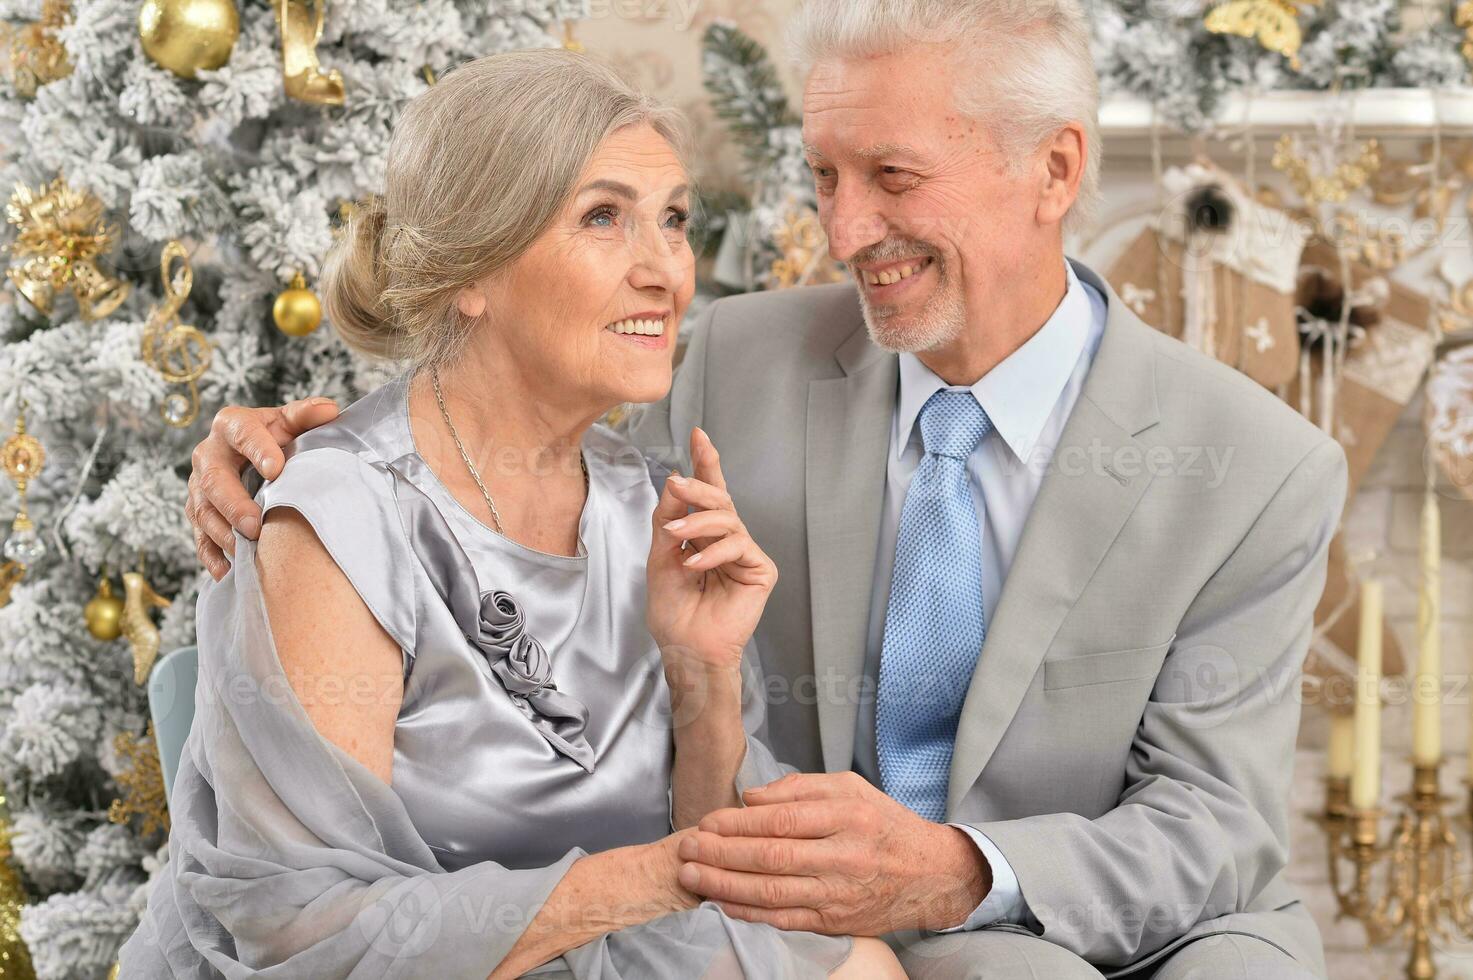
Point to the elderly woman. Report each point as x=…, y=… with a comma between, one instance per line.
x=459, y=703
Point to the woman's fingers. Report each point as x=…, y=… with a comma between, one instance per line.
x=705, y=524
x=737, y=555
x=705, y=459
x=698, y=493
x=669, y=507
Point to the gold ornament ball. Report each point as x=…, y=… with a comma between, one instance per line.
x=186, y=36
x=104, y=613
x=297, y=311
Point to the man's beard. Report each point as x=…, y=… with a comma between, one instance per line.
x=942, y=315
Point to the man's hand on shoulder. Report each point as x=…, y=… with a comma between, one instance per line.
x=218, y=504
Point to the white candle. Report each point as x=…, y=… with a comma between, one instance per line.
x=1342, y=745
x=1365, y=779
x=1427, y=701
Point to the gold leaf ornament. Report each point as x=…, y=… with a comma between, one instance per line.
x=142, y=783
x=61, y=235
x=1335, y=186
x=1275, y=23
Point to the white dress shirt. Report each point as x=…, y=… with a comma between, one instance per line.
x=1028, y=397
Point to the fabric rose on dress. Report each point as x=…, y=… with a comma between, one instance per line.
x=522, y=665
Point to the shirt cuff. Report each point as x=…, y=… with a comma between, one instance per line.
x=1004, y=902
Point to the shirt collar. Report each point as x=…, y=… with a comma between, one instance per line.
x=1019, y=393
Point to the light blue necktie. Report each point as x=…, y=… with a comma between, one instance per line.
x=935, y=623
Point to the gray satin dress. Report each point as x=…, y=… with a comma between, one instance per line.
x=534, y=730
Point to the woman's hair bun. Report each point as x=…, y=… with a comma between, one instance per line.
x=354, y=279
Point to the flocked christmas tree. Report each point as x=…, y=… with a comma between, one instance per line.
x=118, y=139
x=111, y=148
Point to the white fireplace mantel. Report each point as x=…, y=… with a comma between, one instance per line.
x=1375, y=112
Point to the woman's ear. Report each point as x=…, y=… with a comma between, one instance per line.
x=471, y=300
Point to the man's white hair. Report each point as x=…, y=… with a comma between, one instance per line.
x=1028, y=66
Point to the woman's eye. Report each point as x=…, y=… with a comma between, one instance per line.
x=679, y=217
x=594, y=217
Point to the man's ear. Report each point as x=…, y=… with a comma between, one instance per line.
x=1064, y=159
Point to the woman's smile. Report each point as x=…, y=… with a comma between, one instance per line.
x=649, y=329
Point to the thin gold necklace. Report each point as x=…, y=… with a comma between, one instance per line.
x=465, y=457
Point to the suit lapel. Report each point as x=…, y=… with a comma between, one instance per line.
x=1082, y=503
x=849, y=422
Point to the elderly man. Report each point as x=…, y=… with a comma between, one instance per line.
x=1048, y=575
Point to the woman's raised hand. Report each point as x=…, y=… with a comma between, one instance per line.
x=708, y=580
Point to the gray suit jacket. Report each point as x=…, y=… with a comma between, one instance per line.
x=1127, y=738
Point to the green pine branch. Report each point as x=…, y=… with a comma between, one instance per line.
x=744, y=89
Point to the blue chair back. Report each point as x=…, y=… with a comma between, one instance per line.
x=171, y=703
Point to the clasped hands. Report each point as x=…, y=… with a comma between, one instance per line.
x=830, y=853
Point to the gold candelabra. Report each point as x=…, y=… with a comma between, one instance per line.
x=1418, y=895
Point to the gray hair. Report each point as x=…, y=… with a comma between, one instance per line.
x=1033, y=71
x=479, y=165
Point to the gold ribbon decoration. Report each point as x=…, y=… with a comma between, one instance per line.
x=36, y=55
x=177, y=351
x=61, y=236
x=300, y=23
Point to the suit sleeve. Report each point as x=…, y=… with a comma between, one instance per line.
x=1202, y=825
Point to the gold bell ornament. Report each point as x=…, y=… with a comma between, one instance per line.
x=188, y=36
x=61, y=233
x=297, y=311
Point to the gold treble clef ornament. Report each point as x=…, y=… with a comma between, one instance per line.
x=177, y=351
